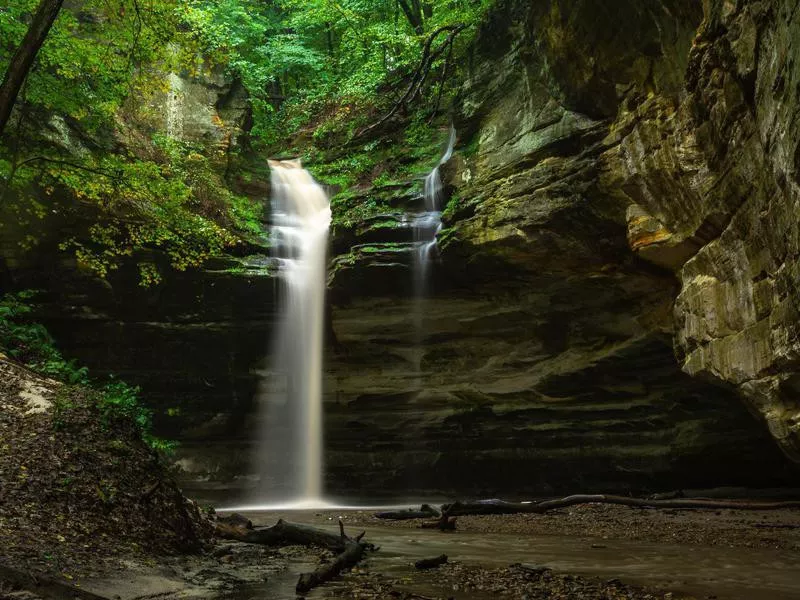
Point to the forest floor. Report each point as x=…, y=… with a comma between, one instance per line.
x=81, y=493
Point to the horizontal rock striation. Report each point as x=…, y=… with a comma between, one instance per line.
x=615, y=307
x=595, y=222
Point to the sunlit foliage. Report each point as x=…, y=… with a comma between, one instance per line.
x=86, y=126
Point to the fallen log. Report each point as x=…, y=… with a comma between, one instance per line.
x=443, y=523
x=349, y=550
x=431, y=563
x=353, y=552
x=501, y=507
x=282, y=533
x=425, y=511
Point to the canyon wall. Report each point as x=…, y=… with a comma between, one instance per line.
x=615, y=307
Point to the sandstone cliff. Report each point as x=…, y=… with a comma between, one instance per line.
x=616, y=302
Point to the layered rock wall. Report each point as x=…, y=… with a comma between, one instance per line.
x=616, y=303
x=617, y=191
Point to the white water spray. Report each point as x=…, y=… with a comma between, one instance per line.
x=290, y=455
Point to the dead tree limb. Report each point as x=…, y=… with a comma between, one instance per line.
x=444, y=523
x=420, y=74
x=430, y=563
x=280, y=534
x=343, y=561
x=354, y=550
x=501, y=507
x=425, y=511
x=349, y=550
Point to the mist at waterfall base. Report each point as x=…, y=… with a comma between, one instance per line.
x=289, y=457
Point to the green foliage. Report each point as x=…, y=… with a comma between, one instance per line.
x=347, y=170
x=308, y=63
x=349, y=210
x=316, y=73
x=32, y=345
x=84, y=69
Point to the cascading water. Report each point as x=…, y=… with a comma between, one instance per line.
x=426, y=226
x=290, y=453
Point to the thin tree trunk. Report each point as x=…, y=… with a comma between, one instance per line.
x=20, y=65
x=413, y=15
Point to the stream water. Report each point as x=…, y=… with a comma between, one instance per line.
x=290, y=451
x=720, y=572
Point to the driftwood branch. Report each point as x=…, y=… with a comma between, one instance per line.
x=425, y=511
x=446, y=522
x=443, y=523
x=500, y=507
x=282, y=533
x=354, y=550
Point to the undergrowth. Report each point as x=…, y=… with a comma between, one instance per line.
x=32, y=345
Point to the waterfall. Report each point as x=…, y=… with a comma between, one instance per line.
x=426, y=226
x=290, y=453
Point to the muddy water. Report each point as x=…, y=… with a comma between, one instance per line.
x=726, y=573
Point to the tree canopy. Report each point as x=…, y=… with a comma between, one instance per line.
x=85, y=126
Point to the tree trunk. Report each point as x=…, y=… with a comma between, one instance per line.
x=349, y=558
x=23, y=58
x=413, y=14
x=350, y=550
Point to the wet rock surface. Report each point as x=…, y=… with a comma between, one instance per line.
x=590, y=254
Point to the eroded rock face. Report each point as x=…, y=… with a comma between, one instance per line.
x=624, y=190
x=615, y=193
x=728, y=148
x=196, y=341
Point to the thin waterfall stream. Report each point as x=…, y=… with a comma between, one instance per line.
x=290, y=452
x=426, y=226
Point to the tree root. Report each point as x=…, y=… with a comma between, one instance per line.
x=420, y=74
